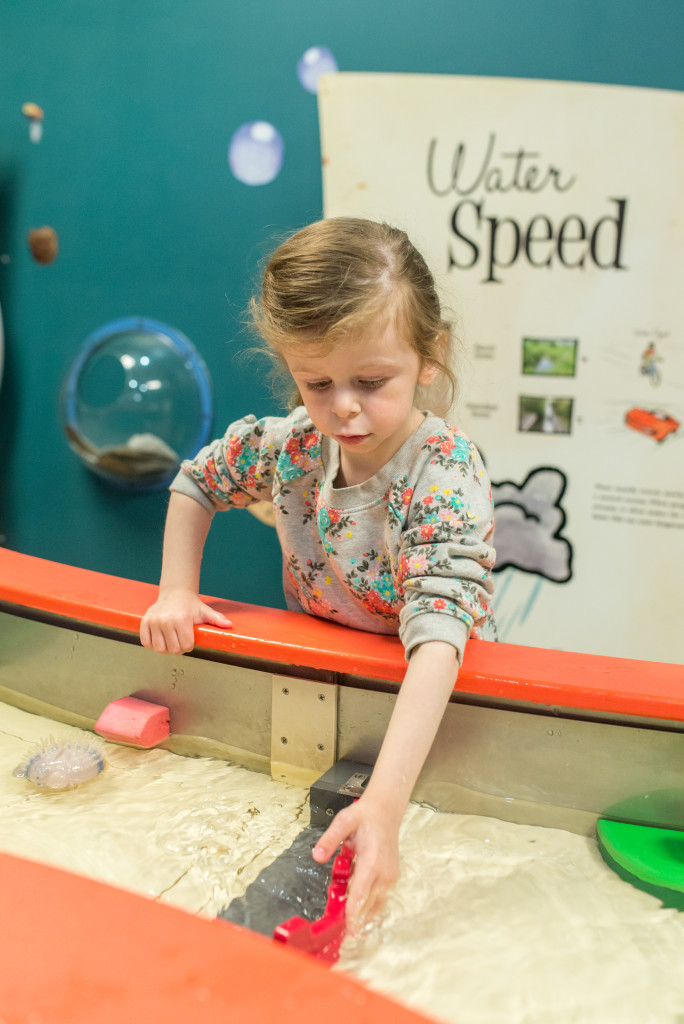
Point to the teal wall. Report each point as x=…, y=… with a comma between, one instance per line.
x=141, y=98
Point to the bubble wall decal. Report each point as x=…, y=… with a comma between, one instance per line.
x=255, y=153
x=316, y=61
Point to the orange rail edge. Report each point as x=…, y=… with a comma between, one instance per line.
x=76, y=951
x=497, y=671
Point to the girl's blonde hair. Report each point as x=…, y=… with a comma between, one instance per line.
x=340, y=277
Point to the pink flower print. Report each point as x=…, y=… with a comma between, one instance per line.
x=240, y=500
x=210, y=475
x=413, y=565
x=375, y=603
x=302, y=453
x=427, y=531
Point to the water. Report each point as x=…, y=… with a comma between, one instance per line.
x=490, y=921
x=496, y=922
x=192, y=832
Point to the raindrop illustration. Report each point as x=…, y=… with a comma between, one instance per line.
x=255, y=153
x=316, y=61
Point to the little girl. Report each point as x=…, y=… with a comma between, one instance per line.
x=383, y=510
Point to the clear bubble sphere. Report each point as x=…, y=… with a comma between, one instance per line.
x=316, y=61
x=136, y=401
x=255, y=153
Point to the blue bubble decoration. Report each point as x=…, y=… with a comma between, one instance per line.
x=136, y=401
x=255, y=153
x=316, y=61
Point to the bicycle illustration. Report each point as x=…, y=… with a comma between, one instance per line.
x=649, y=364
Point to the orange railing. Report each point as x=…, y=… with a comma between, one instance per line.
x=497, y=671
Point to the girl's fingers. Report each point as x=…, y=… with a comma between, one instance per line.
x=145, y=638
x=359, y=903
x=166, y=638
x=175, y=634
x=168, y=641
x=214, y=618
x=365, y=903
x=339, y=830
x=156, y=641
x=167, y=629
x=183, y=637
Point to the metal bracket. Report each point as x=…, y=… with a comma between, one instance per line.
x=355, y=785
x=337, y=788
x=303, y=729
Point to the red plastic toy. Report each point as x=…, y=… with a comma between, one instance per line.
x=322, y=938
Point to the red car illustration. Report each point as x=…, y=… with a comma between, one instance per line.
x=656, y=424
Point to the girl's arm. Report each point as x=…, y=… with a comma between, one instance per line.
x=234, y=471
x=371, y=825
x=168, y=626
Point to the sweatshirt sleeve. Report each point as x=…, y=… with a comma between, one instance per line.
x=446, y=548
x=237, y=469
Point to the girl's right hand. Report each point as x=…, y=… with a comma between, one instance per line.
x=168, y=625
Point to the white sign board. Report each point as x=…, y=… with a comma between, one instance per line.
x=551, y=216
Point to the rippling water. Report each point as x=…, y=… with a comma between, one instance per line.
x=491, y=923
x=189, y=831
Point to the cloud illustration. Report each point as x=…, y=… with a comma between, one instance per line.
x=529, y=520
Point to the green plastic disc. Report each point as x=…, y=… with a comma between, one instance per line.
x=650, y=858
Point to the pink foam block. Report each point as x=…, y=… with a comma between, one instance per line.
x=135, y=722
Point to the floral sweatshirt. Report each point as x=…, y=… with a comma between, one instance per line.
x=408, y=551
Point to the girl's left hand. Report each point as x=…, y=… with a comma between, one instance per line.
x=372, y=832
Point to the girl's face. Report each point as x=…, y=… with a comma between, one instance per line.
x=361, y=394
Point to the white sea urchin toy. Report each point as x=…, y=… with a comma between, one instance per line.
x=57, y=764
